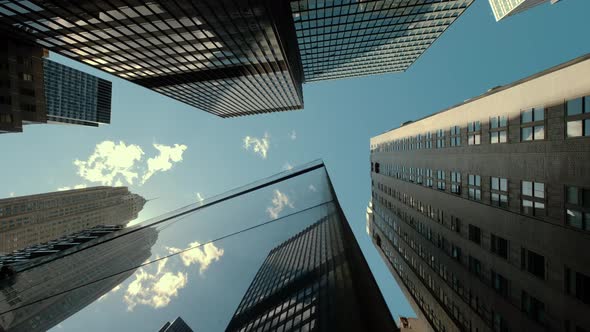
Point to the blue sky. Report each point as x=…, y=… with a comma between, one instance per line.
x=474, y=54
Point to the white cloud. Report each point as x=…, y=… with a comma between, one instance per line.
x=119, y=164
x=78, y=186
x=259, y=145
x=157, y=288
x=293, y=135
x=163, y=161
x=279, y=202
x=112, y=291
x=287, y=167
x=312, y=188
x=203, y=256
x=11, y=194
x=111, y=162
x=200, y=198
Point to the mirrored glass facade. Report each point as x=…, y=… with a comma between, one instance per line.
x=504, y=8
x=198, y=262
x=345, y=38
x=226, y=57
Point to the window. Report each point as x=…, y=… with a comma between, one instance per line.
x=532, y=124
x=499, y=246
x=533, y=198
x=455, y=224
x=377, y=167
x=474, y=266
x=577, y=207
x=578, y=117
x=532, y=262
x=475, y=234
x=577, y=284
x=455, y=136
x=499, y=191
x=499, y=323
x=499, y=284
x=498, y=129
x=440, y=185
x=440, y=139
x=429, y=140
x=428, y=175
x=474, y=133
x=456, y=252
x=475, y=187
x=456, y=183
x=534, y=308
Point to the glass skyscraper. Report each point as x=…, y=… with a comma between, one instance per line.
x=505, y=8
x=344, y=38
x=75, y=97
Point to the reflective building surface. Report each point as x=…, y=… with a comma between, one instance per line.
x=178, y=325
x=315, y=281
x=35, y=219
x=344, y=38
x=482, y=210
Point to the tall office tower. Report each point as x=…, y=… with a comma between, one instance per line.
x=75, y=97
x=340, y=38
x=317, y=280
x=22, y=96
x=482, y=211
x=178, y=325
x=45, y=293
x=504, y=8
x=227, y=57
x=34, y=219
x=231, y=57
x=35, y=90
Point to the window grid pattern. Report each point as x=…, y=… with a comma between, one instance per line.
x=533, y=198
x=440, y=139
x=455, y=136
x=578, y=117
x=339, y=39
x=474, y=185
x=456, y=183
x=441, y=184
x=498, y=129
x=222, y=56
x=499, y=191
x=532, y=124
x=474, y=133
x=577, y=207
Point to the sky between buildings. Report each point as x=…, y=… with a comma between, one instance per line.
x=163, y=149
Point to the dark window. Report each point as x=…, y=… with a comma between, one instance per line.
x=456, y=183
x=577, y=207
x=499, y=246
x=376, y=167
x=475, y=234
x=533, y=262
x=456, y=252
x=456, y=224
x=474, y=266
x=534, y=308
x=441, y=185
x=578, y=284
x=500, y=284
x=499, y=323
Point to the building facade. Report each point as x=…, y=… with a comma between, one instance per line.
x=22, y=94
x=339, y=39
x=75, y=97
x=482, y=211
x=35, y=219
x=505, y=8
x=230, y=57
x=317, y=280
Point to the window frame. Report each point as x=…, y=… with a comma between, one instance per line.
x=577, y=207
x=584, y=117
x=473, y=132
x=534, y=199
x=534, y=123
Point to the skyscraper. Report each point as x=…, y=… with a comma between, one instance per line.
x=230, y=57
x=482, y=211
x=43, y=294
x=34, y=219
x=340, y=38
x=505, y=8
x=178, y=325
x=36, y=90
x=317, y=280
x=75, y=97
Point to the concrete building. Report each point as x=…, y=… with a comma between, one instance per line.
x=318, y=280
x=505, y=8
x=482, y=211
x=35, y=219
x=234, y=58
x=178, y=325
